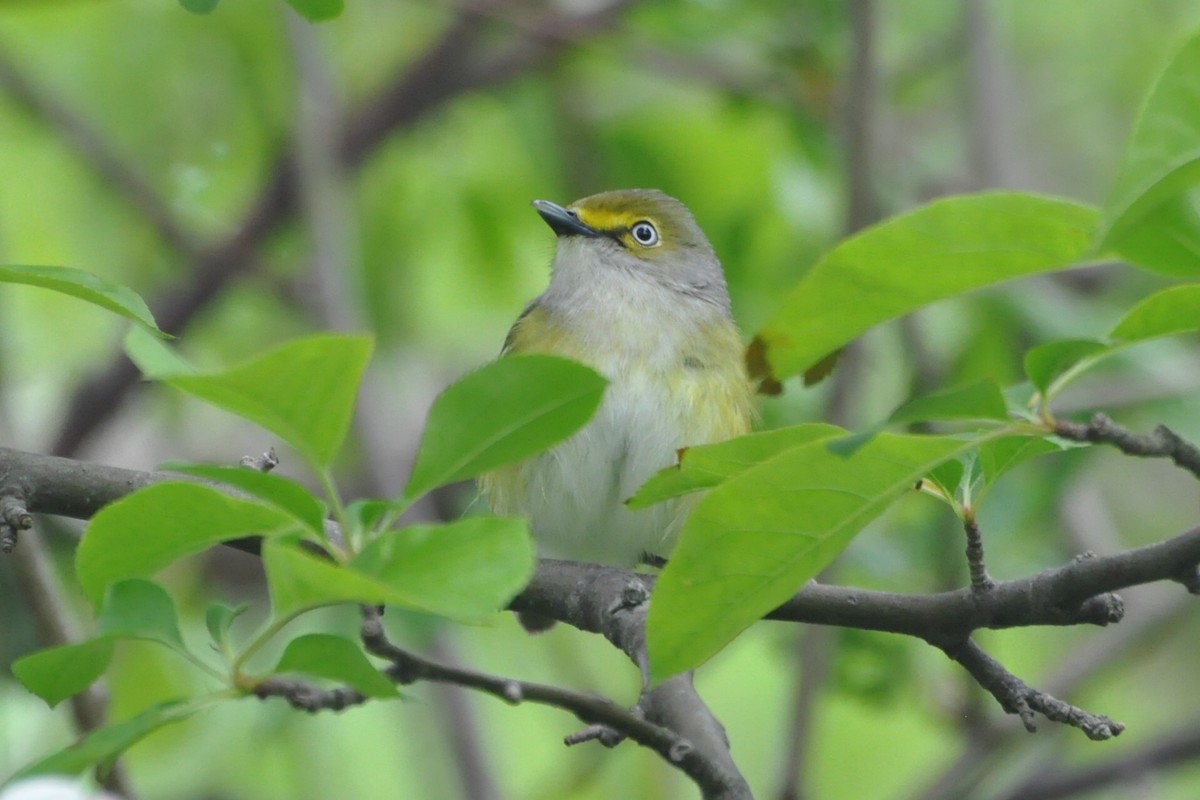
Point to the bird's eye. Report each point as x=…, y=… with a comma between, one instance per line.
x=644, y=234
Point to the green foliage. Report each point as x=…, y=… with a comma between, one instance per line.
x=947, y=248
x=464, y=569
x=773, y=508
x=86, y=286
x=337, y=659
x=102, y=746
x=56, y=673
x=154, y=357
x=200, y=6
x=757, y=537
x=318, y=10
x=974, y=401
x=219, y=619
x=1151, y=216
x=149, y=529
x=1047, y=362
x=1176, y=310
x=706, y=466
x=277, y=491
x=501, y=413
x=132, y=609
x=311, y=10
x=303, y=391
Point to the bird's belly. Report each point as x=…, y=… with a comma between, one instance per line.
x=577, y=491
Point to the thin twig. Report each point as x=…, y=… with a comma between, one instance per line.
x=1016, y=697
x=1161, y=443
x=980, y=580
x=407, y=668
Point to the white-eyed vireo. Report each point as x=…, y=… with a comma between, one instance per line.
x=636, y=293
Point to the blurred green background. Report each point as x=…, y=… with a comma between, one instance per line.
x=143, y=143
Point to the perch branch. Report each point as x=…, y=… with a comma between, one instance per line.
x=606, y=600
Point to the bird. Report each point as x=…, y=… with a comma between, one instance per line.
x=637, y=293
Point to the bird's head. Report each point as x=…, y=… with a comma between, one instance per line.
x=642, y=231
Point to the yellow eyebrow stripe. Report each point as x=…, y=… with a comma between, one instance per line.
x=603, y=219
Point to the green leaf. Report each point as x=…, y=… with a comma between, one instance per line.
x=337, y=659
x=465, y=569
x=1161, y=164
x=364, y=515
x=56, y=673
x=275, y=490
x=1000, y=455
x=140, y=609
x=132, y=609
x=199, y=6
x=1172, y=311
x=84, y=285
x=946, y=248
x=154, y=358
x=303, y=390
x=1047, y=362
x=318, y=10
x=950, y=475
x=219, y=619
x=145, y=531
x=103, y=745
x=979, y=400
x=513, y=408
x=1165, y=313
x=299, y=581
x=755, y=539
x=705, y=466
x=1167, y=241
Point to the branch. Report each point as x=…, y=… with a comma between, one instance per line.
x=610, y=601
x=1072, y=594
x=408, y=668
x=1162, y=443
x=1017, y=698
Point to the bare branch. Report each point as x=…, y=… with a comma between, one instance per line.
x=714, y=781
x=1162, y=443
x=1017, y=698
x=308, y=697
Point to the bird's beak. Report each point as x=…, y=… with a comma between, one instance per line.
x=561, y=221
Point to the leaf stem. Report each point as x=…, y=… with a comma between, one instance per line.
x=261, y=638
